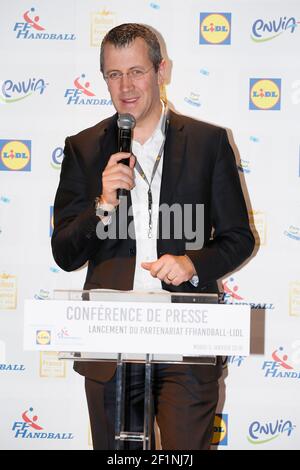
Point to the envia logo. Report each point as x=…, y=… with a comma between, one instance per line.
x=15, y=155
x=30, y=428
x=261, y=433
x=280, y=367
x=215, y=28
x=265, y=30
x=57, y=157
x=231, y=295
x=51, y=226
x=220, y=435
x=31, y=28
x=265, y=94
x=83, y=95
x=14, y=91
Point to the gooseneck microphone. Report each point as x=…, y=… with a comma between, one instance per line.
x=126, y=124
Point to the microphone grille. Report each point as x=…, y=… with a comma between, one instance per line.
x=126, y=121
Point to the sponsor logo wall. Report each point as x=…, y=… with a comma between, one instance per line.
x=233, y=64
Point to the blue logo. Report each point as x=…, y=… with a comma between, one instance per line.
x=12, y=368
x=263, y=31
x=236, y=360
x=31, y=428
x=261, y=433
x=293, y=232
x=12, y=92
x=57, y=157
x=31, y=28
x=82, y=94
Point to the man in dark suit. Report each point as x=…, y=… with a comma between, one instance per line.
x=180, y=161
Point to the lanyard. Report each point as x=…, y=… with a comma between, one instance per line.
x=164, y=128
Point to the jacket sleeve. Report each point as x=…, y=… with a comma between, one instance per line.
x=232, y=241
x=74, y=237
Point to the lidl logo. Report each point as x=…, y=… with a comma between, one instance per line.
x=215, y=28
x=43, y=337
x=15, y=155
x=220, y=436
x=265, y=94
x=51, y=227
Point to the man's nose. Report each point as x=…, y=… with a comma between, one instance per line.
x=126, y=82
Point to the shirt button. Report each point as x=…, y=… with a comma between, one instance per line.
x=132, y=251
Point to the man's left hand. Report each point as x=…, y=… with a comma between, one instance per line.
x=171, y=269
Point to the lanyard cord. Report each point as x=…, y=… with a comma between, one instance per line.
x=164, y=128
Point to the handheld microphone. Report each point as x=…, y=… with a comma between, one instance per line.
x=126, y=124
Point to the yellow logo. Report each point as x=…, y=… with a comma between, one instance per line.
x=51, y=365
x=43, y=337
x=258, y=224
x=8, y=292
x=215, y=28
x=294, y=297
x=101, y=23
x=15, y=156
x=265, y=94
x=220, y=430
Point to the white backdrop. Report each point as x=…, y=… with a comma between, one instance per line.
x=235, y=64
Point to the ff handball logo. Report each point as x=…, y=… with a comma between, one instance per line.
x=15, y=155
x=215, y=28
x=265, y=94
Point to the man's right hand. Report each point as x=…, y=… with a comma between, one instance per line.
x=117, y=176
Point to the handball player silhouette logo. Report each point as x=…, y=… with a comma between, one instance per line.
x=31, y=421
x=83, y=88
x=33, y=22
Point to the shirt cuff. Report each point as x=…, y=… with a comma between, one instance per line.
x=194, y=281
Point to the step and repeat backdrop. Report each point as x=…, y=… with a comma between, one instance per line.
x=235, y=64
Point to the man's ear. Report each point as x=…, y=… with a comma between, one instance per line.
x=161, y=73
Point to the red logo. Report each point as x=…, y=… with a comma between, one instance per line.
x=31, y=421
x=33, y=22
x=83, y=88
x=281, y=360
x=230, y=289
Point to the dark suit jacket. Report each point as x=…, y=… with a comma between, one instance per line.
x=198, y=168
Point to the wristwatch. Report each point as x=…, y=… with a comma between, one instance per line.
x=103, y=209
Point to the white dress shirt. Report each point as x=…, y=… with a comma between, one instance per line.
x=146, y=247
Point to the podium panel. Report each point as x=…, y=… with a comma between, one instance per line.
x=103, y=324
x=145, y=327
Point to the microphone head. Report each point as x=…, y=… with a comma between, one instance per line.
x=126, y=121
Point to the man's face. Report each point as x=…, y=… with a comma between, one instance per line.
x=139, y=97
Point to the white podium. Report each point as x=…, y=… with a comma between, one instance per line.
x=140, y=327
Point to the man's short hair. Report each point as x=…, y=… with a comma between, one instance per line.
x=125, y=34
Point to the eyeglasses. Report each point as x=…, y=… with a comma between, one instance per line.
x=134, y=74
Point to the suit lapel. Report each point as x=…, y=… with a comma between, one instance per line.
x=173, y=158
